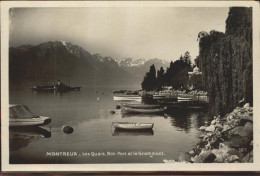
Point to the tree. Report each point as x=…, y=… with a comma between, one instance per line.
x=160, y=78
x=187, y=57
x=177, y=74
x=149, y=82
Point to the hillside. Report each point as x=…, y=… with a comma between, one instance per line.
x=50, y=61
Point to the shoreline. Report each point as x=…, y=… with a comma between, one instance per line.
x=227, y=139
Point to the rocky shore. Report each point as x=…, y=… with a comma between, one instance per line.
x=227, y=139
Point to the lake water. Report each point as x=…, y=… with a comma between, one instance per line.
x=93, y=139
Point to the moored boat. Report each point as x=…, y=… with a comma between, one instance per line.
x=54, y=88
x=132, y=126
x=141, y=105
x=180, y=99
x=128, y=98
x=20, y=115
x=158, y=97
x=145, y=111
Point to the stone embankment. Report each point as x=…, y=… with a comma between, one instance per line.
x=227, y=139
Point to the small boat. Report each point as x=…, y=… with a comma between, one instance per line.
x=132, y=126
x=20, y=115
x=145, y=111
x=181, y=99
x=128, y=98
x=141, y=106
x=158, y=97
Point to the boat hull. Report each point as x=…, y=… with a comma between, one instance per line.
x=132, y=126
x=141, y=106
x=29, y=122
x=128, y=98
x=142, y=111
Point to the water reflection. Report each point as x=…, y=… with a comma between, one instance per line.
x=118, y=132
x=20, y=137
x=186, y=120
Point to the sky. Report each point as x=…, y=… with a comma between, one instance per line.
x=119, y=32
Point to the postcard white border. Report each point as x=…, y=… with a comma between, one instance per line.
x=126, y=167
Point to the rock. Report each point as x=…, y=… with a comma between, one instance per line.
x=67, y=129
x=202, y=144
x=197, y=151
x=231, y=159
x=237, y=142
x=205, y=157
x=213, y=122
x=210, y=128
x=112, y=112
x=192, y=153
x=247, y=105
x=220, y=153
x=247, y=118
x=223, y=147
x=218, y=160
x=248, y=158
x=219, y=126
x=244, y=131
x=184, y=157
x=230, y=117
x=226, y=128
x=202, y=128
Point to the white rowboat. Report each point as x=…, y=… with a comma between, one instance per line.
x=132, y=126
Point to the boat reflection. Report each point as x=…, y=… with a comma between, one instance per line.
x=22, y=136
x=119, y=132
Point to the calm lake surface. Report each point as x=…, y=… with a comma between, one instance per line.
x=93, y=139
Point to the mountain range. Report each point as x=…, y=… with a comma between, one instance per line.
x=53, y=60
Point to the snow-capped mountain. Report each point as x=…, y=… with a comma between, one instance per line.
x=139, y=67
x=130, y=62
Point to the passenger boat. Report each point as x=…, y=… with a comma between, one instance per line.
x=20, y=115
x=54, y=88
x=132, y=126
x=141, y=106
x=145, y=111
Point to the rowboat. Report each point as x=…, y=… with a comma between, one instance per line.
x=132, y=126
x=145, y=111
x=158, y=97
x=20, y=115
x=127, y=98
x=181, y=99
x=140, y=105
